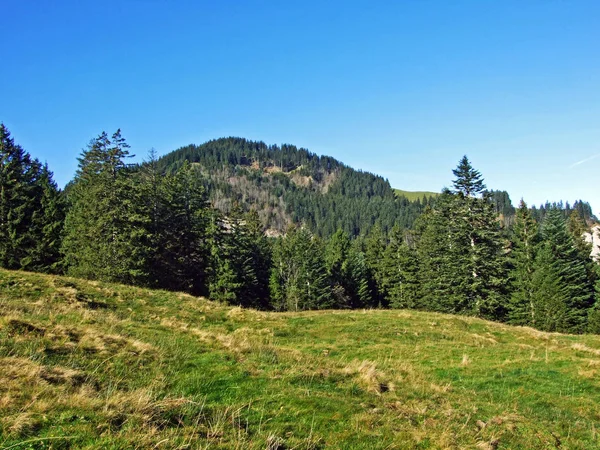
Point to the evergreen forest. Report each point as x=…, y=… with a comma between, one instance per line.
x=280, y=228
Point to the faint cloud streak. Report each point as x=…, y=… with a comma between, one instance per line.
x=578, y=163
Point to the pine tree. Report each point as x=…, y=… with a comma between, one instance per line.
x=374, y=245
x=46, y=227
x=360, y=279
x=15, y=201
x=577, y=228
x=461, y=250
x=401, y=270
x=562, y=261
x=525, y=237
x=240, y=261
x=336, y=259
x=105, y=228
x=468, y=182
x=440, y=259
x=549, y=296
x=31, y=210
x=180, y=258
x=299, y=277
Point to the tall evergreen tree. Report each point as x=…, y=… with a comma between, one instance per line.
x=401, y=270
x=31, y=210
x=523, y=309
x=105, y=230
x=16, y=200
x=240, y=261
x=180, y=255
x=46, y=228
x=461, y=250
x=299, y=277
x=562, y=262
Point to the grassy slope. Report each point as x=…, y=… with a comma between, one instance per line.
x=415, y=195
x=94, y=365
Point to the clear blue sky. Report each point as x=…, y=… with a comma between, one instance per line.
x=402, y=89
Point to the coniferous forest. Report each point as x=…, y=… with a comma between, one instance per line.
x=280, y=228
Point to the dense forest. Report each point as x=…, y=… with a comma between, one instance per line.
x=195, y=221
x=286, y=185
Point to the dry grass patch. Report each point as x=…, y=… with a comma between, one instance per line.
x=369, y=377
x=584, y=348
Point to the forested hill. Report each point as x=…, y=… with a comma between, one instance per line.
x=286, y=184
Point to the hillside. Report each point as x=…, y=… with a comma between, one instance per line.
x=286, y=184
x=96, y=365
x=413, y=196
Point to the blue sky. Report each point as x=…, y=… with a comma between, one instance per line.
x=402, y=89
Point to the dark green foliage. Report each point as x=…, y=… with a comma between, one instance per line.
x=46, y=226
x=240, y=261
x=440, y=259
x=560, y=266
x=179, y=253
x=525, y=240
x=401, y=272
x=502, y=205
x=106, y=228
x=31, y=210
x=286, y=184
x=468, y=182
x=299, y=277
x=461, y=250
x=583, y=209
x=594, y=312
x=152, y=224
x=349, y=273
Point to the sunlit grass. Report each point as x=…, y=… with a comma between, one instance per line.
x=95, y=365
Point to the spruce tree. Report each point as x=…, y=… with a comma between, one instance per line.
x=240, y=260
x=180, y=256
x=401, y=270
x=462, y=251
x=31, y=210
x=16, y=201
x=299, y=278
x=440, y=258
x=105, y=227
x=46, y=228
x=523, y=309
x=562, y=261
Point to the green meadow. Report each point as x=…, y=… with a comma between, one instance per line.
x=95, y=365
x=413, y=196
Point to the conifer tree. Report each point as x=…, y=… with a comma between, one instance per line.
x=337, y=262
x=360, y=278
x=180, y=258
x=105, y=230
x=577, y=228
x=523, y=309
x=31, y=210
x=401, y=272
x=16, y=200
x=561, y=263
x=240, y=260
x=299, y=277
x=440, y=259
x=461, y=250
x=374, y=246
x=46, y=228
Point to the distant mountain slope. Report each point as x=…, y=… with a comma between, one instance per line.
x=93, y=365
x=286, y=184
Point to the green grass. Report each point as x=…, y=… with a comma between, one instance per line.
x=415, y=195
x=103, y=366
